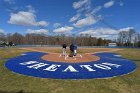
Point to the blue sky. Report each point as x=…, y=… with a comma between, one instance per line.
x=100, y=18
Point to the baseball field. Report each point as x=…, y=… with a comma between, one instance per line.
x=11, y=82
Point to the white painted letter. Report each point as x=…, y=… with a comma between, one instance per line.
x=52, y=67
x=88, y=67
x=110, y=64
x=102, y=66
x=70, y=69
x=36, y=66
x=28, y=63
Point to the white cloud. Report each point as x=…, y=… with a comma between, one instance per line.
x=84, y=7
x=25, y=19
x=42, y=23
x=106, y=33
x=85, y=22
x=127, y=29
x=109, y=4
x=9, y=1
x=56, y=25
x=63, y=29
x=101, y=33
x=74, y=18
x=80, y=3
x=98, y=8
x=2, y=31
x=30, y=9
x=39, y=31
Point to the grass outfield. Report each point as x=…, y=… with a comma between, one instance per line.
x=16, y=83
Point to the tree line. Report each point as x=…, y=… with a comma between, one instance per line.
x=38, y=39
x=124, y=38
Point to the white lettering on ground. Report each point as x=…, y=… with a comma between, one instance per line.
x=110, y=64
x=39, y=65
x=52, y=68
x=102, y=66
x=70, y=69
x=28, y=63
x=88, y=67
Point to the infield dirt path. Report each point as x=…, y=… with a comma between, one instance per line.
x=54, y=54
x=78, y=58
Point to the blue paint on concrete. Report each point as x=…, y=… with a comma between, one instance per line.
x=123, y=66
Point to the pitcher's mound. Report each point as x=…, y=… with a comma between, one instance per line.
x=56, y=57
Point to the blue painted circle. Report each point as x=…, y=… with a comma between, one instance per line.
x=109, y=65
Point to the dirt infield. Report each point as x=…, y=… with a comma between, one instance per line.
x=57, y=57
x=54, y=54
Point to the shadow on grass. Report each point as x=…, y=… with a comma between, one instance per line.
x=21, y=91
x=137, y=60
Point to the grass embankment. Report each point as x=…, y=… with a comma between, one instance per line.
x=15, y=83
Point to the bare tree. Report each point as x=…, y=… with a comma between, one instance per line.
x=126, y=37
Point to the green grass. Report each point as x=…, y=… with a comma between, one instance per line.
x=16, y=83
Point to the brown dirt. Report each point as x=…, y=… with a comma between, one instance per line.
x=55, y=57
x=54, y=53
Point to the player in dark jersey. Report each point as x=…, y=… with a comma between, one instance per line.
x=71, y=50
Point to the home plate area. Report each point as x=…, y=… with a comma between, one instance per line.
x=70, y=58
x=56, y=57
x=57, y=66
